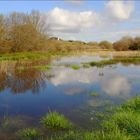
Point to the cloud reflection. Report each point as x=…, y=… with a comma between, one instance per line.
x=116, y=85
x=112, y=83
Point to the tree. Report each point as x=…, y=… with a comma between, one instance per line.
x=26, y=31
x=136, y=44
x=105, y=45
x=123, y=44
x=26, y=38
x=2, y=28
x=39, y=21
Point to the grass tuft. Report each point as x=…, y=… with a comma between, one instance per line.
x=94, y=94
x=55, y=120
x=75, y=67
x=28, y=133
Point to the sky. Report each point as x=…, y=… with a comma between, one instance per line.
x=92, y=20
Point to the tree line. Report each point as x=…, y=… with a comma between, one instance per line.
x=127, y=43
x=30, y=32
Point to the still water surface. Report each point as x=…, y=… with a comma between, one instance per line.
x=32, y=92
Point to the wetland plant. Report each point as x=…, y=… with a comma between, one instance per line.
x=29, y=133
x=75, y=67
x=54, y=120
x=126, y=118
x=42, y=68
x=94, y=94
x=86, y=65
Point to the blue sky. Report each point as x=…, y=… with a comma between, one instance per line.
x=84, y=20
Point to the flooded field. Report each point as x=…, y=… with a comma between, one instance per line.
x=30, y=90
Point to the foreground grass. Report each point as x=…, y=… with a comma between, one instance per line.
x=124, y=124
x=127, y=119
x=28, y=133
x=55, y=120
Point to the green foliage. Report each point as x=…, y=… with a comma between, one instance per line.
x=5, y=122
x=28, y=133
x=94, y=94
x=124, y=124
x=43, y=68
x=126, y=119
x=25, y=56
x=132, y=105
x=75, y=67
x=99, y=135
x=135, y=60
x=55, y=120
x=74, y=135
x=114, y=134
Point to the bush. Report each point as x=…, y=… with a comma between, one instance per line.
x=124, y=44
x=105, y=45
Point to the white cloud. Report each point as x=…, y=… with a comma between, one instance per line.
x=119, y=10
x=67, y=76
x=79, y=25
x=62, y=20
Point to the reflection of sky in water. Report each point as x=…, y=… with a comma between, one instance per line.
x=112, y=82
x=77, y=59
x=67, y=90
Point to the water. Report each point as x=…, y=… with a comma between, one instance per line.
x=31, y=93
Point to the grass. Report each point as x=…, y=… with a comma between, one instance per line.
x=28, y=133
x=134, y=60
x=86, y=66
x=132, y=105
x=75, y=67
x=126, y=118
x=123, y=124
x=5, y=122
x=24, y=56
x=74, y=135
x=54, y=120
x=99, y=135
x=94, y=94
x=42, y=68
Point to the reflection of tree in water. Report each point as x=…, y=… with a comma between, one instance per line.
x=21, y=80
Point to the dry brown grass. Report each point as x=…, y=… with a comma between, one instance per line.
x=106, y=53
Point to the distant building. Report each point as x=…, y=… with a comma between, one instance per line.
x=54, y=38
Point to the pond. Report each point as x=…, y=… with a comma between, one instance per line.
x=27, y=91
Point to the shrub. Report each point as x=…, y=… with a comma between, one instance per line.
x=105, y=45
